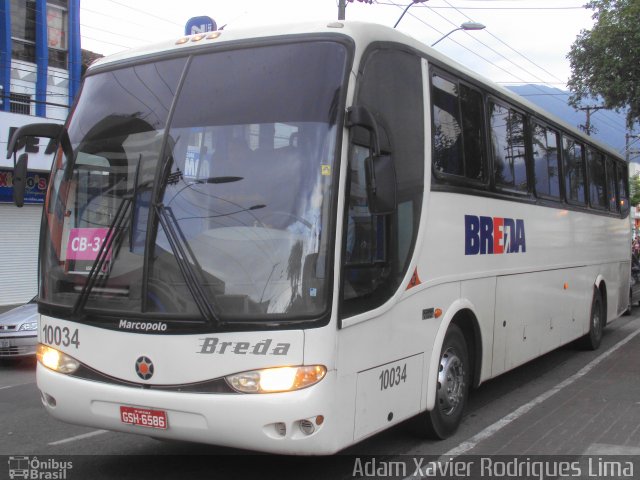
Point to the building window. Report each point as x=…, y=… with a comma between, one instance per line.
x=57, y=34
x=20, y=103
x=23, y=30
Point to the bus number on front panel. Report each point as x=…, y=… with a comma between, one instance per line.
x=392, y=377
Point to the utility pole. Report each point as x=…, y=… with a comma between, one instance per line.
x=588, y=129
x=342, y=7
x=627, y=150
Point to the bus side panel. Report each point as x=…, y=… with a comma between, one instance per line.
x=537, y=312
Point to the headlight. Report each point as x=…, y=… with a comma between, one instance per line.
x=28, y=326
x=56, y=360
x=279, y=379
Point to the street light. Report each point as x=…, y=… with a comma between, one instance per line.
x=405, y=10
x=464, y=26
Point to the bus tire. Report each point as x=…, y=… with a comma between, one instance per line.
x=627, y=312
x=597, y=320
x=454, y=374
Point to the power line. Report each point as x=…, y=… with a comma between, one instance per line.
x=509, y=47
x=492, y=8
x=146, y=12
x=542, y=82
x=564, y=102
x=458, y=43
x=112, y=33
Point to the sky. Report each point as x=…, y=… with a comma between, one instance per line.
x=525, y=41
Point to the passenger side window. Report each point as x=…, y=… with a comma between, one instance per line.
x=365, y=232
x=597, y=179
x=508, y=148
x=546, y=161
x=574, y=170
x=623, y=190
x=457, y=129
x=611, y=186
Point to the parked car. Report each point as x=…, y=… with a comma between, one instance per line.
x=19, y=331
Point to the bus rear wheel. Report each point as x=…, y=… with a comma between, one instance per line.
x=454, y=375
x=597, y=321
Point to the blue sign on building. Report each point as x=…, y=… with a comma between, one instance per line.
x=200, y=25
x=36, y=188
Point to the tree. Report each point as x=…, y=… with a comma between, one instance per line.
x=605, y=61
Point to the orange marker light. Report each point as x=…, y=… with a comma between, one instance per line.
x=438, y=312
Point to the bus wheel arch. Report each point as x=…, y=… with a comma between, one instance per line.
x=454, y=370
x=467, y=321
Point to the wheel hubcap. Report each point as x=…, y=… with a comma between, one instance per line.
x=450, y=382
x=595, y=322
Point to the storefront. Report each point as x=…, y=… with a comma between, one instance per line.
x=40, y=69
x=20, y=227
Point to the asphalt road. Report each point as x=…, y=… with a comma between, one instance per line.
x=567, y=403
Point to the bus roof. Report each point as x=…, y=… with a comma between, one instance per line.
x=362, y=33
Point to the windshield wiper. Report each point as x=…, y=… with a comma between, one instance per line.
x=103, y=252
x=185, y=258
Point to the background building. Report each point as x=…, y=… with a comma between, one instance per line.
x=40, y=69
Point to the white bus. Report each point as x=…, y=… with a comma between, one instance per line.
x=289, y=239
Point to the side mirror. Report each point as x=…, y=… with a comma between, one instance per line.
x=48, y=130
x=54, y=131
x=358, y=116
x=20, y=180
x=381, y=184
x=379, y=169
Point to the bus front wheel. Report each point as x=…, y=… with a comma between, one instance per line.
x=454, y=373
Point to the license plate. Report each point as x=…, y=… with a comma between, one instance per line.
x=5, y=343
x=144, y=417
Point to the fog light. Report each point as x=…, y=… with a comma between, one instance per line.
x=307, y=427
x=49, y=400
x=281, y=428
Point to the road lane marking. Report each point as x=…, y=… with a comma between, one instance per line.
x=17, y=385
x=79, y=437
x=491, y=430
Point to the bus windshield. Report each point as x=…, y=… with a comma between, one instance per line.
x=199, y=188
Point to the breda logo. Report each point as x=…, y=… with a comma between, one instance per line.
x=493, y=235
x=144, y=368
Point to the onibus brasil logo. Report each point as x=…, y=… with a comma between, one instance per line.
x=38, y=469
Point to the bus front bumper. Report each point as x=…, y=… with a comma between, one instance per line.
x=298, y=423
